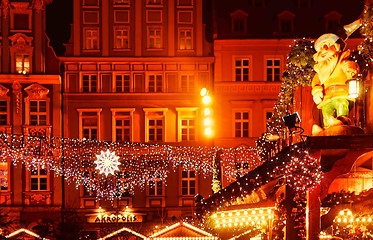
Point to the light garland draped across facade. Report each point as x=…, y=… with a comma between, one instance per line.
x=75, y=159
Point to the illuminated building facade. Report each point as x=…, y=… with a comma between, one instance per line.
x=133, y=71
x=30, y=103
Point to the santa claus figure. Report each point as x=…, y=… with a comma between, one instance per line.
x=329, y=87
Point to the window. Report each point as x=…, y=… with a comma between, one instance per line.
x=187, y=83
x=39, y=178
x=4, y=112
x=90, y=2
x=304, y=3
x=20, y=15
x=188, y=182
x=268, y=116
x=184, y=2
x=21, y=50
x=88, y=176
x=241, y=124
x=38, y=112
x=4, y=176
x=89, y=83
x=185, y=39
x=154, y=38
x=332, y=21
x=154, y=2
x=37, y=105
x=187, y=124
x=286, y=22
x=121, y=38
x=242, y=69
x=21, y=21
x=239, y=21
x=155, y=124
x=122, y=83
x=257, y=3
x=273, y=70
x=123, y=183
x=122, y=2
x=122, y=124
x=89, y=123
x=155, y=183
x=91, y=39
x=22, y=63
x=155, y=83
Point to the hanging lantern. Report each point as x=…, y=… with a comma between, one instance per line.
x=353, y=88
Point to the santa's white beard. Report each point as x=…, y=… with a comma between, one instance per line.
x=326, y=67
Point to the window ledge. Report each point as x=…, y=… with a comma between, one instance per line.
x=154, y=49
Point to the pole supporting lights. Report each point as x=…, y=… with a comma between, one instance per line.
x=207, y=120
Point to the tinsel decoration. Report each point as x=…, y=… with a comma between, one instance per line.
x=299, y=215
x=299, y=73
x=302, y=171
x=367, y=24
x=366, y=29
x=279, y=219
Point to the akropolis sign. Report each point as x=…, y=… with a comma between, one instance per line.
x=114, y=218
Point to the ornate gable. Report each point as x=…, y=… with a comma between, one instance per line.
x=36, y=91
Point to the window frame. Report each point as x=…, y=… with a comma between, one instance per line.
x=150, y=114
x=154, y=27
x=147, y=83
x=189, y=88
x=122, y=38
x=249, y=120
x=272, y=58
x=7, y=176
x=6, y=99
x=39, y=176
x=182, y=116
x=285, y=16
x=81, y=112
x=114, y=117
x=266, y=110
x=185, y=39
x=90, y=74
x=91, y=44
x=234, y=67
x=114, y=90
x=188, y=179
x=35, y=97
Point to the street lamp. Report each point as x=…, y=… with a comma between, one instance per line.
x=353, y=88
x=207, y=120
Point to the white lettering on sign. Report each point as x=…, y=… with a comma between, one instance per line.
x=114, y=218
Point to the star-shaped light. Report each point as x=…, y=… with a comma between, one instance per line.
x=107, y=162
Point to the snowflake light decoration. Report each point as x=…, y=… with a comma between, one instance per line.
x=107, y=162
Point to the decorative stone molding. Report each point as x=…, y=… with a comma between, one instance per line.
x=20, y=7
x=37, y=198
x=38, y=5
x=5, y=6
x=17, y=90
x=20, y=42
x=37, y=131
x=36, y=91
x=3, y=91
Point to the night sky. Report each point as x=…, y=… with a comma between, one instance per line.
x=59, y=18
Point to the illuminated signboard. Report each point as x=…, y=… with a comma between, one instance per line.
x=113, y=218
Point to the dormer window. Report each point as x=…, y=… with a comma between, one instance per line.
x=304, y=3
x=286, y=22
x=257, y=3
x=22, y=63
x=239, y=21
x=332, y=21
x=20, y=17
x=21, y=53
